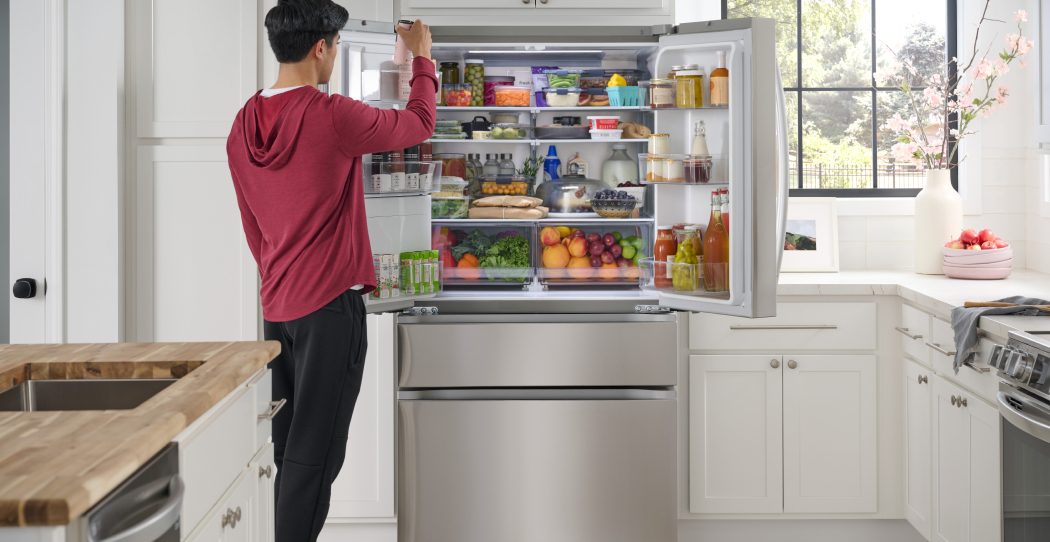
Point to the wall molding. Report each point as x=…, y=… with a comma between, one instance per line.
x=54, y=170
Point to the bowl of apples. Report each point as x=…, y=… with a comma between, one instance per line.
x=977, y=256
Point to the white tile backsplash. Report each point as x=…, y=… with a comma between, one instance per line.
x=890, y=228
x=1007, y=226
x=889, y=255
x=1003, y=199
x=851, y=228
x=851, y=254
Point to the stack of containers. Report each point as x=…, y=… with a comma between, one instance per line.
x=420, y=272
x=604, y=127
x=984, y=264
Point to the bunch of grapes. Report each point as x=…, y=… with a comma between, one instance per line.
x=609, y=194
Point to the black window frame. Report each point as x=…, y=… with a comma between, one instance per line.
x=951, y=48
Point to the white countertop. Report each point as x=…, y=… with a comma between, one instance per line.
x=937, y=293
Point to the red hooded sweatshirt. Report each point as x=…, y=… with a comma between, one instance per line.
x=296, y=165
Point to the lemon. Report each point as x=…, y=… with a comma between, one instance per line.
x=617, y=80
x=564, y=231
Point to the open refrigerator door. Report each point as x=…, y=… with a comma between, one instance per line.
x=746, y=136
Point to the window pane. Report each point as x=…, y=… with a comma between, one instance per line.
x=791, y=99
x=893, y=174
x=915, y=30
x=836, y=139
x=836, y=43
x=785, y=12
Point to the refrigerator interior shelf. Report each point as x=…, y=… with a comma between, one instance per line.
x=403, y=193
x=683, y=169
x=534, y=109
x=658, y=109
x=682, y=278
x=370, y=301
x=562, y=221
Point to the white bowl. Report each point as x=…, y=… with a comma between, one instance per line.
x=976, y=273
x=964, y=252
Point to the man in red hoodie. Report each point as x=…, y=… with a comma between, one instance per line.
x=295, y=157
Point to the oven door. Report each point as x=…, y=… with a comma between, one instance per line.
x=1026, y=466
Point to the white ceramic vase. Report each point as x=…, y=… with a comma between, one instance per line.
x=938, y=219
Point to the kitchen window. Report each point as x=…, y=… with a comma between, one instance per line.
x=835, y=113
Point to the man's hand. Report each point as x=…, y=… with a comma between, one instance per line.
x=417, y=38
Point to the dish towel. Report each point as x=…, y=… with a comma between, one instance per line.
x=965, y=321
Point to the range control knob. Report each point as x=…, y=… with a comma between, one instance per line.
x=1020, y=365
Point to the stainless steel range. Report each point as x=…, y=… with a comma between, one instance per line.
x=1024, y=404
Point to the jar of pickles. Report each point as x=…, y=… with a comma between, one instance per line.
x=475, y=76
x=686, y=272
x=690, y=88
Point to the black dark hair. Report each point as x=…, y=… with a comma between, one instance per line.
x=294, y=26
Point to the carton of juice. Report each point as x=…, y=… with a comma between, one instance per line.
x=424, y=256
x=384, y=280
x=394, y=274
x=408, y=285
x=417, y=272
x=435, y=265
x=377, y=261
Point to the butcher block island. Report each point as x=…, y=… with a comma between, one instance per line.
x=213, y=404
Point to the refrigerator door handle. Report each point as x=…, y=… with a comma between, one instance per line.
x=782, y=169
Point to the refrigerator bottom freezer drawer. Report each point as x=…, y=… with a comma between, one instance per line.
x=579, y=471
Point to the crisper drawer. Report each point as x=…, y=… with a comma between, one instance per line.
x=797, y=326
x=557, y=471
x=537, y=351
x=976, y=375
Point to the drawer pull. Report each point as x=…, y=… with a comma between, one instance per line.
x=981, y=370
x=904, y=330
x=938, y=348
x=785, y=327
x=275, y=407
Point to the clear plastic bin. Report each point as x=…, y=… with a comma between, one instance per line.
x=566, y=257
x=510, y=130
x=687, y=279
x=400, y=177
x=473, y=273
x=682, y=169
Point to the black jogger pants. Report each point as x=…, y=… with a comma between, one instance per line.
x=319, y=372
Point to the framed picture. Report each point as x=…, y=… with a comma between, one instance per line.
x=811, y=239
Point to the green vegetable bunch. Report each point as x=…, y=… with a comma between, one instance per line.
x=510, y=251
x=562, y=81
x=476, y=243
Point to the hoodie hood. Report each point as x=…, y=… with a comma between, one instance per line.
x=272, y=149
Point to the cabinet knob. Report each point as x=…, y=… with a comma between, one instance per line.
x=543, y=1
x=923, y=379
x=792, y=364
x=775, y=364
x=526, y=1
x=231, y=518
x=24, y=288
x=265, y=471
x=960, y=402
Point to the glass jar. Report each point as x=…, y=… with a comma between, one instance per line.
x=685, y=278
x=450, y=73
x=655, y=168
x=663, y=251
x=661, y=93
x=674, y=70
x=678, y=230
x=453, y=164
x=506, y=164
x=690, y=88
x=491, y=166
x=474, y=75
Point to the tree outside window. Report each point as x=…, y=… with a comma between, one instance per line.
x=834, y=109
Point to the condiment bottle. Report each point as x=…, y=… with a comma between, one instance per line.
x=491, y=166
x=506, y=164
x=663, y=251
x=716, y=250
x=552, y=163
x=724, y=195
x=401, y=53
x=700, y=140
x=719, y=95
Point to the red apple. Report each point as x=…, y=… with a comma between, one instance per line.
x=616, y=250
x=623, y=262
x=968, y=237
x=609, y=240
x=999, y=243
x=596, y=261
x=988, y=245
x=593, y=238
x=973, y=247
x=607, y=257
x=951, y=244
x=986, y=235
x=596, y=248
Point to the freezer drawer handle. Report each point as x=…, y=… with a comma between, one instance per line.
x=904, y=330
x=785, y=327
x=937, y=347
x=650, y=309
x=275, y=407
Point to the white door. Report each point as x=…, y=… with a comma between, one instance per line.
x=966, y=467
x=917, y=446
x=749, y=141
x=735, y=438
x=830, y=428
x=365, y=485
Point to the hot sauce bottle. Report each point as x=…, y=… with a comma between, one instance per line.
x=663, y=251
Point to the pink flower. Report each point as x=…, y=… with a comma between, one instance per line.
x=1011, y=41
x=982, y=70
x=932, y=96
x=1024, y=45
x=1022, y=16
x=1000, y=68
x=897, y=123
x=1024, y=63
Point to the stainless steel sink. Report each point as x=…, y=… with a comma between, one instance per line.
x=102, y=394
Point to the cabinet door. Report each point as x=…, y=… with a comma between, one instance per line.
x=966, y=489
x=735, y=437
x=917, y=446
x=480, y=4
x=365, y=485
x=830, y=438
x=600, y=4
x=196, y=279
x=240, y=510
x=265, y=473
x=194, y=72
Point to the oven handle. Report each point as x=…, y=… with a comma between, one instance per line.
x=1025, y=414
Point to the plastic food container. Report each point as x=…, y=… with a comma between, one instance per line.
x=511, y=96
x=563, y=78
x=606, y=134
x=448, y=129
x=562, y=132
x=451, y=207
x=460, y=135
x=509, y=130
x=493, y=81
x=481, y=134
x=505, y=118
x=458, y=95
x=503, y=185
x=453, y=164
x=603, y=123
x=600, y=78
x=657, y=93
x=562, y=97
x=594, y=97
x=448, y=123
x=450, y=187
x=623, y=96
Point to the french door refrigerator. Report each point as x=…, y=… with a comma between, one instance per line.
x=562, y=426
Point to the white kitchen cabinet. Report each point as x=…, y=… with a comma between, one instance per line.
x=232, y=519
x=196, y=279
x=914, y=331
x=830, y=433
x=916, y=395
x=365, y=485
x=796, y=326
x=369, y=10
x=735, y=449
x=966, y=478
x=265, y=472
x=193, y=72
x=599, y=4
